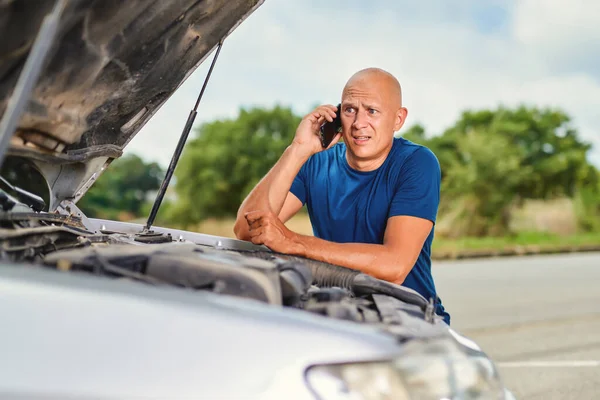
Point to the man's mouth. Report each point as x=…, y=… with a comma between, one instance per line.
x=361, y=139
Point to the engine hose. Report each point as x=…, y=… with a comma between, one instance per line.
x=327, y=275
x=323, y=274
x=365, y=284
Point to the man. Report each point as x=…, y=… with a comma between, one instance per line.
x=372, y=199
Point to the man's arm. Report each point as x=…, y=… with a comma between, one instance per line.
x=390, y=261
x=413, y=211
x=272, y=193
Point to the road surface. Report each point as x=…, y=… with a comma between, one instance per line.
x=537, y=317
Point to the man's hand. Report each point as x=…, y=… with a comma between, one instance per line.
x=266, y=228
x=307, y=133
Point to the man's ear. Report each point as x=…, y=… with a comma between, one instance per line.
x=401, y=115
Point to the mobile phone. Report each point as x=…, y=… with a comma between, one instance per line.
x=330, y=129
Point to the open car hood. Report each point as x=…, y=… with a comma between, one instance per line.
x=112, y=66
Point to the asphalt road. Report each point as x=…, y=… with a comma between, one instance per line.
x=537, y=317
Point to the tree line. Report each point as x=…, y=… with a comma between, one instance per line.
x=492, y=161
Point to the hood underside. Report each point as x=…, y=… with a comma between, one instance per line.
x=112, y=65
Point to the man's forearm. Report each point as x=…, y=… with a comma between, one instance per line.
x=272, y=190
x=376, y=260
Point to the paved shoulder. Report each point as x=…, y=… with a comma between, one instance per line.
x=538, y=317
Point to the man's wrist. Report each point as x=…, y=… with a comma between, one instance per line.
x=299, y=152
x=299, y=245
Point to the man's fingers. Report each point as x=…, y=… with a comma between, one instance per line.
x=258, y=239
x=259, y=219
x=254, y=224
x=252, y=216
x=329, y=114
x=327, y=108
x=320, y=118
x=330, y=107
x=256, y=231
x=324, y=112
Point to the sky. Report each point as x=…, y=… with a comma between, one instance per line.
x=448, y=57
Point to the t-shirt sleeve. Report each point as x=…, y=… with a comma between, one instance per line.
x=417, y=192
x=300, y=184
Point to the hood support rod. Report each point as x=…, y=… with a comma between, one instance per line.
x=179, y=148
x=29, y=76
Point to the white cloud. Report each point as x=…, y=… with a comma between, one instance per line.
x=556, y=25
x=565, y=34
x=300, y=53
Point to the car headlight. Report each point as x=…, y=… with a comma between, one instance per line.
x=440, y=369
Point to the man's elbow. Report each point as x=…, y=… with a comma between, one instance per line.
x=399, y=277
x=393, y=272
x=390, y=264
x=399, y=272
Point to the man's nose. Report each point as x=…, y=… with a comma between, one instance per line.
x=360, y=120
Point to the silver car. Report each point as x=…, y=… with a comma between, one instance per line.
x=97, y=309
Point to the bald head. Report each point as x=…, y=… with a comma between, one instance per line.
x=371, y=111
x=378, y=80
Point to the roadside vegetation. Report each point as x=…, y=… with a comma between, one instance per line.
x=513, y=180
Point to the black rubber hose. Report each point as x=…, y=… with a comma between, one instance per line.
x=323, y=274
x=328, y=275
x=365, y=284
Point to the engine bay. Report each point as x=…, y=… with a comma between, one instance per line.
x=61, y=242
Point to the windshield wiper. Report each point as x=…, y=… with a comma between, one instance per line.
x=32, y=200
x=179, y=148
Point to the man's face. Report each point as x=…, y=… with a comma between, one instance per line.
x=370, y=115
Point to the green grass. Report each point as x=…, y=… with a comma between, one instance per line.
x=530, y=240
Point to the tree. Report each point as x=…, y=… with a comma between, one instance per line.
x=121, y=191
x=415, y=133
x=226, y=160
x=552, y=148
x=587, y=200
x=494, y=159
x=481, y=181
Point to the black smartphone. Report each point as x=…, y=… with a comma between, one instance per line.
x=330, y=129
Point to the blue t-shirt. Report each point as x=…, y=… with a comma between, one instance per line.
x=350, y=206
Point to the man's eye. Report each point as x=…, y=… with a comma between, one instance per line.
x=372, y=111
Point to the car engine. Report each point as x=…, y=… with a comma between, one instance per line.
x=61, y=242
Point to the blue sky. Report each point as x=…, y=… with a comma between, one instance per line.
x=448, y=56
